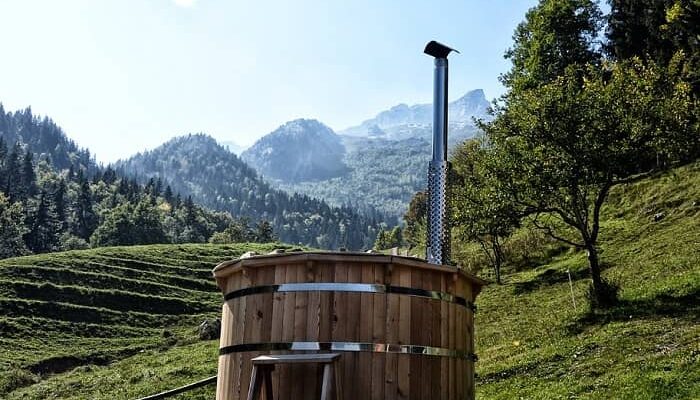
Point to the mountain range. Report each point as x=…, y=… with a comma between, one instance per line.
x=197, y=166
x=379, y=163
x=336, y=189
x=403, y=121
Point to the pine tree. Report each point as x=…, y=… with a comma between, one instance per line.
x=3, y=156
x=13, y=229
x=44, y=235
x=13, y=174
x=85, y=217
x=28, y=185
x=264, y=232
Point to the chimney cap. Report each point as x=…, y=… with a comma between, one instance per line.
x=438, y=50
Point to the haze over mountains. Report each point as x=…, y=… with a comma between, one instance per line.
x=379, y=163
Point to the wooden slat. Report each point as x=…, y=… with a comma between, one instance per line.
x=392, y=336
x=268, y=278
x=428, y=323
x=285, y=373
x=326, y=306
x=235, y=336
x=311, y=383
x=404, y=367
x=354, y=301
x=276, y=335
x=379, y=305
x=435, y=337
x=299, y=372
x=223, y=367
x=418, y=329
x=247, y=315
x=461, y=344
x=444, y=342
x=451, y=340
x=340, y=322
x=364, y=368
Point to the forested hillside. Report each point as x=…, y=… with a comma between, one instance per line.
x=197, y=166
x=42, y=137
x=54, y=197
x=381, y=173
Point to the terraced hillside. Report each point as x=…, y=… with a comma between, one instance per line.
x=95, y=307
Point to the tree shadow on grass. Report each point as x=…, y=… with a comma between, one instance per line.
x=663, y=305
x=548, y=278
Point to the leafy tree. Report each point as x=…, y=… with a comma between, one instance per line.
x=562, y=146
x=128, y=225
x=416, y=220
x=13, y=228
x=116, y=228
x=147, y=227
x=656, y=29
x=554, y=35
x=387, y=239
x=482, y=213
x=383, y=240
x=237, y=231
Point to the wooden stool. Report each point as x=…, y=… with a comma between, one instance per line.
x=264, y=365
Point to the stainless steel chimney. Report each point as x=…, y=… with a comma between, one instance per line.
x=438, y=245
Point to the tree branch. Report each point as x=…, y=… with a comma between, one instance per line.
x=548, y=230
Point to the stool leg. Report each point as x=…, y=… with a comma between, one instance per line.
x=255, y=384
x=267, y=378
x=337, y=382
x=326, y=385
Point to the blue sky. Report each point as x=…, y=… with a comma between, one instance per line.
x=124, y=76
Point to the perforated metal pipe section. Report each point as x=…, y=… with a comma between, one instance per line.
x=438, y=246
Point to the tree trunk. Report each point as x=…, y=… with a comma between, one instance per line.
x=497, y=258
x=497, y=270
x=594, y=268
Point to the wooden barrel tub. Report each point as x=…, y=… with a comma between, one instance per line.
x=405, y=328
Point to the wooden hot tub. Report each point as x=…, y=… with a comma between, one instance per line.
x=404, y=327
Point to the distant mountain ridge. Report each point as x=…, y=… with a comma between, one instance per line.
x=380, y=163
x=420, y=116
x=300, y=150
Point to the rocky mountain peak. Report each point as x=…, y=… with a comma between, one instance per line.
x=299, y=150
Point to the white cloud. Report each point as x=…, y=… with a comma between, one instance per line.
x=184, y=3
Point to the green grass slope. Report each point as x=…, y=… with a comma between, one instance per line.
x=533, y=344
x=95, y=323
x=128, y=314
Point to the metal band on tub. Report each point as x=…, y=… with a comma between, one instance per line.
x=350, y=287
